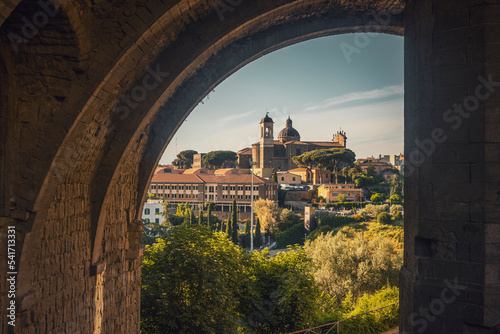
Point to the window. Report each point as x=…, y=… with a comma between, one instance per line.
x=335, y=193
x=298, y=151
x=240, y=196
x=188, y=187
x=157, y=210
x=181, y=195
x=248, y=188
x=232, y=188
x=240, y=188
x=174, y=187
x=211, y=189
x=167, y=195
x=247, y=197
x=224, y=187
x=153, y=186
x=147, y=211
x=160, y=187
x=167, y=187
x=232, y=196
x=255, y=188
x=174, y=195
x=283, y=178
x=157, y=220
x=293, y=178
x=224, y=196
x=181, y=187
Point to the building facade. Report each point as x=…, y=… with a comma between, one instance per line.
x=331, y=192
x=220, y=188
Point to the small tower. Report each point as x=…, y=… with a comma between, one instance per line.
x=266, y=142
x=340, y=138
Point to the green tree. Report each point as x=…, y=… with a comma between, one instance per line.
x=229, y=228
x=192, y=217
x=370, y=171
x=396, y=185
x=357, y=264
x=165, y=206
x=247, y=238
x=257, y=240
x=217, y=159
x=342, y=198
x=209, y=214
x=383, y=218
x=275, y=177
x=234, y=221
x=377, y=198
x=395, y=199
x=288, y=296
x=200, y=214
x=267, y=211
x=152, y=230
x=184, y=159
x=330, y=159
x=191, y=283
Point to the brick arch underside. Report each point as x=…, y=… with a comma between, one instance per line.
x=84, y=173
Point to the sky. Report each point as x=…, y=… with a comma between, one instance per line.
x=351, y=82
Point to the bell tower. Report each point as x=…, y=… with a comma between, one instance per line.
x=266, y=142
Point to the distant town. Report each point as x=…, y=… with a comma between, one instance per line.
x=288, y=171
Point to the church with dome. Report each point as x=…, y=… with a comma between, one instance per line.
x=276, y=155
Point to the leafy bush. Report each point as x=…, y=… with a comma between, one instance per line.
x=383, y=218
x=372, y=211
x=291, y=236
x=334, y=221
x=397, y=215
x=377, y=198
x=190, y=277
x=357, y=265
x=373, y=322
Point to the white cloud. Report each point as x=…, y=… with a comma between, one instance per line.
x=235, y=117
x=358, y=97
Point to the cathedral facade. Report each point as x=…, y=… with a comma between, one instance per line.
x=277, y=155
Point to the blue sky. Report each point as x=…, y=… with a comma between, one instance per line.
x=315, y=84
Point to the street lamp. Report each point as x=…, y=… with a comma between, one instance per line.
x=252, y=163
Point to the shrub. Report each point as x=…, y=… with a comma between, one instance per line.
x=357, y=264
x=335, y=221
x=397, y=215
x=373, y=322
x=383, y=218
x=291, y=236
x=377, y=198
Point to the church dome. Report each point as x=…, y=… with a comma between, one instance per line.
x=288, y=133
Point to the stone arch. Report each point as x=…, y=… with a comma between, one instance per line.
x=75, y=183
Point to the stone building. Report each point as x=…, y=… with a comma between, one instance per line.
x=220, y=188
x=270, y=154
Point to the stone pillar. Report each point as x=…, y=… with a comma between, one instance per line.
x=450, y=282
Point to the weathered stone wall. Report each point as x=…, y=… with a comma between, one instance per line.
x=76, y=156
x=450, y=281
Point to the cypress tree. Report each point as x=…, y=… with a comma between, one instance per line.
x=192, y=217
x=209, y=214
x=228, y=227
x=234, y=228
x=247, y=233
x=275, y=177
x=257, y=236
x=200, y=214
